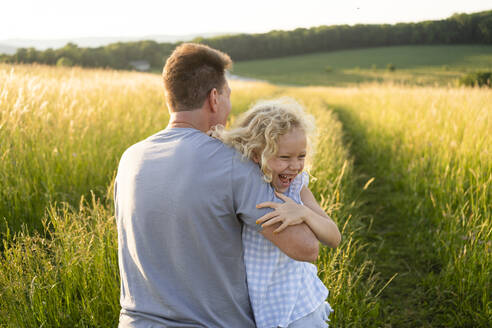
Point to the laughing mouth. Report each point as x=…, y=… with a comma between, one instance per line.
x=286, y=178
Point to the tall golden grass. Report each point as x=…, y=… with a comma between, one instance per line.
x=430, y=151
x=63, y=130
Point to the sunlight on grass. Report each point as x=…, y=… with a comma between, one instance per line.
x=62, y=132
x=433, y=147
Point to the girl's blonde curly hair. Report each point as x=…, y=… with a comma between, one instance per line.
x=256, y=132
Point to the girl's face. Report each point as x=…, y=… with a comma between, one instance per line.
x=289, y=160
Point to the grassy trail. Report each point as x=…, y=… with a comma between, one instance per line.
x=399, y=243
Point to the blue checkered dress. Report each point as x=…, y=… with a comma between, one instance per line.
x=281, y=289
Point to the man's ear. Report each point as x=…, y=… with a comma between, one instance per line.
x=256, y=158
x=213, y=100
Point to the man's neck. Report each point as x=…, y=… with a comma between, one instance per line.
x=188, y=119
x=177, y=124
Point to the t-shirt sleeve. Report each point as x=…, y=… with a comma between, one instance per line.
x=249, y=189
x=305, y=179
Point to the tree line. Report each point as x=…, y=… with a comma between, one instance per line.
x=458, y=29
x=116, y=55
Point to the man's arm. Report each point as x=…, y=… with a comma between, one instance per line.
x=297, y=242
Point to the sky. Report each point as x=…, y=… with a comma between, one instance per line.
x=52, y=19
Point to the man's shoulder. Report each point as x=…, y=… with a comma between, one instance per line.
x=177, y=137
x=131, y=151
x=244, y=168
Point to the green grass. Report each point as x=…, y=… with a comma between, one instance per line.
x=62, y=132
x=416, y=65
x=429, y=153
x=404, y=171
x=64, y=276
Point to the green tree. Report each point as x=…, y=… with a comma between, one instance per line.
x=485, y=30
x=48, y=57
x=64, y=61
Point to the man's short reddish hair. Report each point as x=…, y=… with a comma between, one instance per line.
x=191, y=72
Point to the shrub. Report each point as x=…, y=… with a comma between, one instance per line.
x=64, y=61
x=328, y=69
x=390, y=67
x=479, y=79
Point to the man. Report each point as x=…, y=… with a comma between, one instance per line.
x=181, y=198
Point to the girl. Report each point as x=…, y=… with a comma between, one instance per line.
x=277, y=135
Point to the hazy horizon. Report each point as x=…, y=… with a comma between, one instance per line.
x=58, y=19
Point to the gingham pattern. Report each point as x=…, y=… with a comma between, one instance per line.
x=281, y=289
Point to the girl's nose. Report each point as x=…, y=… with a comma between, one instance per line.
x=296, y=164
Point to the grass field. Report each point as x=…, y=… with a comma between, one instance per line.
x=429, y=152
x=404, y=171
x=415, y=65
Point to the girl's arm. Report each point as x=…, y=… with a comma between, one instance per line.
x=291, y=213
x=320, y=223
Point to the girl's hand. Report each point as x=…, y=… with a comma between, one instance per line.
x=289, y=213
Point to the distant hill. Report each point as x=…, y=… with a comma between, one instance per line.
x=473, y=28
x=458, y=29
x=413, y=65
x=9, y=46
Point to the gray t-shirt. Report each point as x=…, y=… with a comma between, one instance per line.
x=181, y=198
